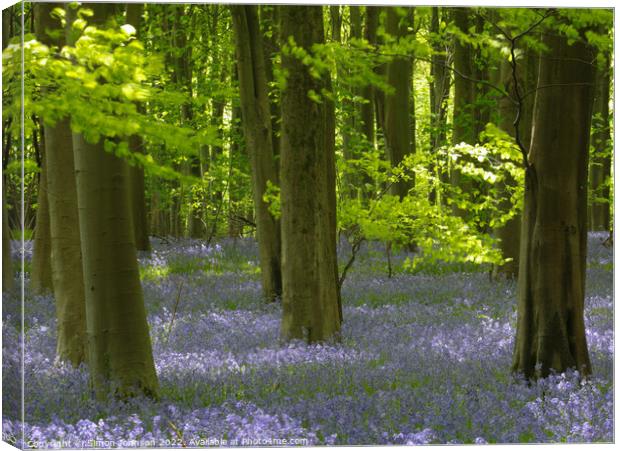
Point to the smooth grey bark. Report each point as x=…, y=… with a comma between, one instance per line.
x=120, y=357
x=41, y=272
x=310, y=299
x=257, y=129
x=66, y=256
x=550, y=325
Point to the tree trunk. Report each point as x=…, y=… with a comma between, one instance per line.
x=136, y=173
x=235, y=187
x=464, y=124
x=550, y=325
x=440, y=85
x=308, y=195
x=398, y=138
x=183, y=74
x=463, y=129
x=119, y=346
x=41, y=275
x=367, y=113
x=7, y=266
x=258, y=138
x=66, y=256
x=271, y=47
x=600, y=168
x=439, y=95
x=481, y=71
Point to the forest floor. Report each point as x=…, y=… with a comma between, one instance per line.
x=424, y=358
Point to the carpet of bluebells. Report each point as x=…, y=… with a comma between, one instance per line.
x=424, y=358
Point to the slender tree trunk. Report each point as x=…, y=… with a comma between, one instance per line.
x=235, y=226
x=66, y=257
x=398, y=104
x=463, y=129
x=136, y=173
x=183, y=74
x=481, y=71
x=155, y=214
x=550, y=325
x=464, y=123
x=439, y=94
x=41, y=276
x=440, y=85
x=258, y=138
x=119, y=346
x=270, y=14
x=308, y=195
x=600, y=168
x=367, y=111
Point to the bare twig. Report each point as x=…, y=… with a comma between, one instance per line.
x=388, y=254
x=355, y=247
x=242, y=220
x=174, y=311
x=515, y=79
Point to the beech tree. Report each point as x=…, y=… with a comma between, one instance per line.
x=399, y=141
x=310, y=291
x=60, y=190
x=550, y=325
x=120, y=358
x=257, y=128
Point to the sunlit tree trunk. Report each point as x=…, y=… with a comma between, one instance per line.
x=600, y=167
x=66, y=256
x=439, y=93
x=235, y=196
x=308, y=195
x=119, y=347
x=440, y=84
x=258, y=139
x=550, y=325
x=398, y=133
